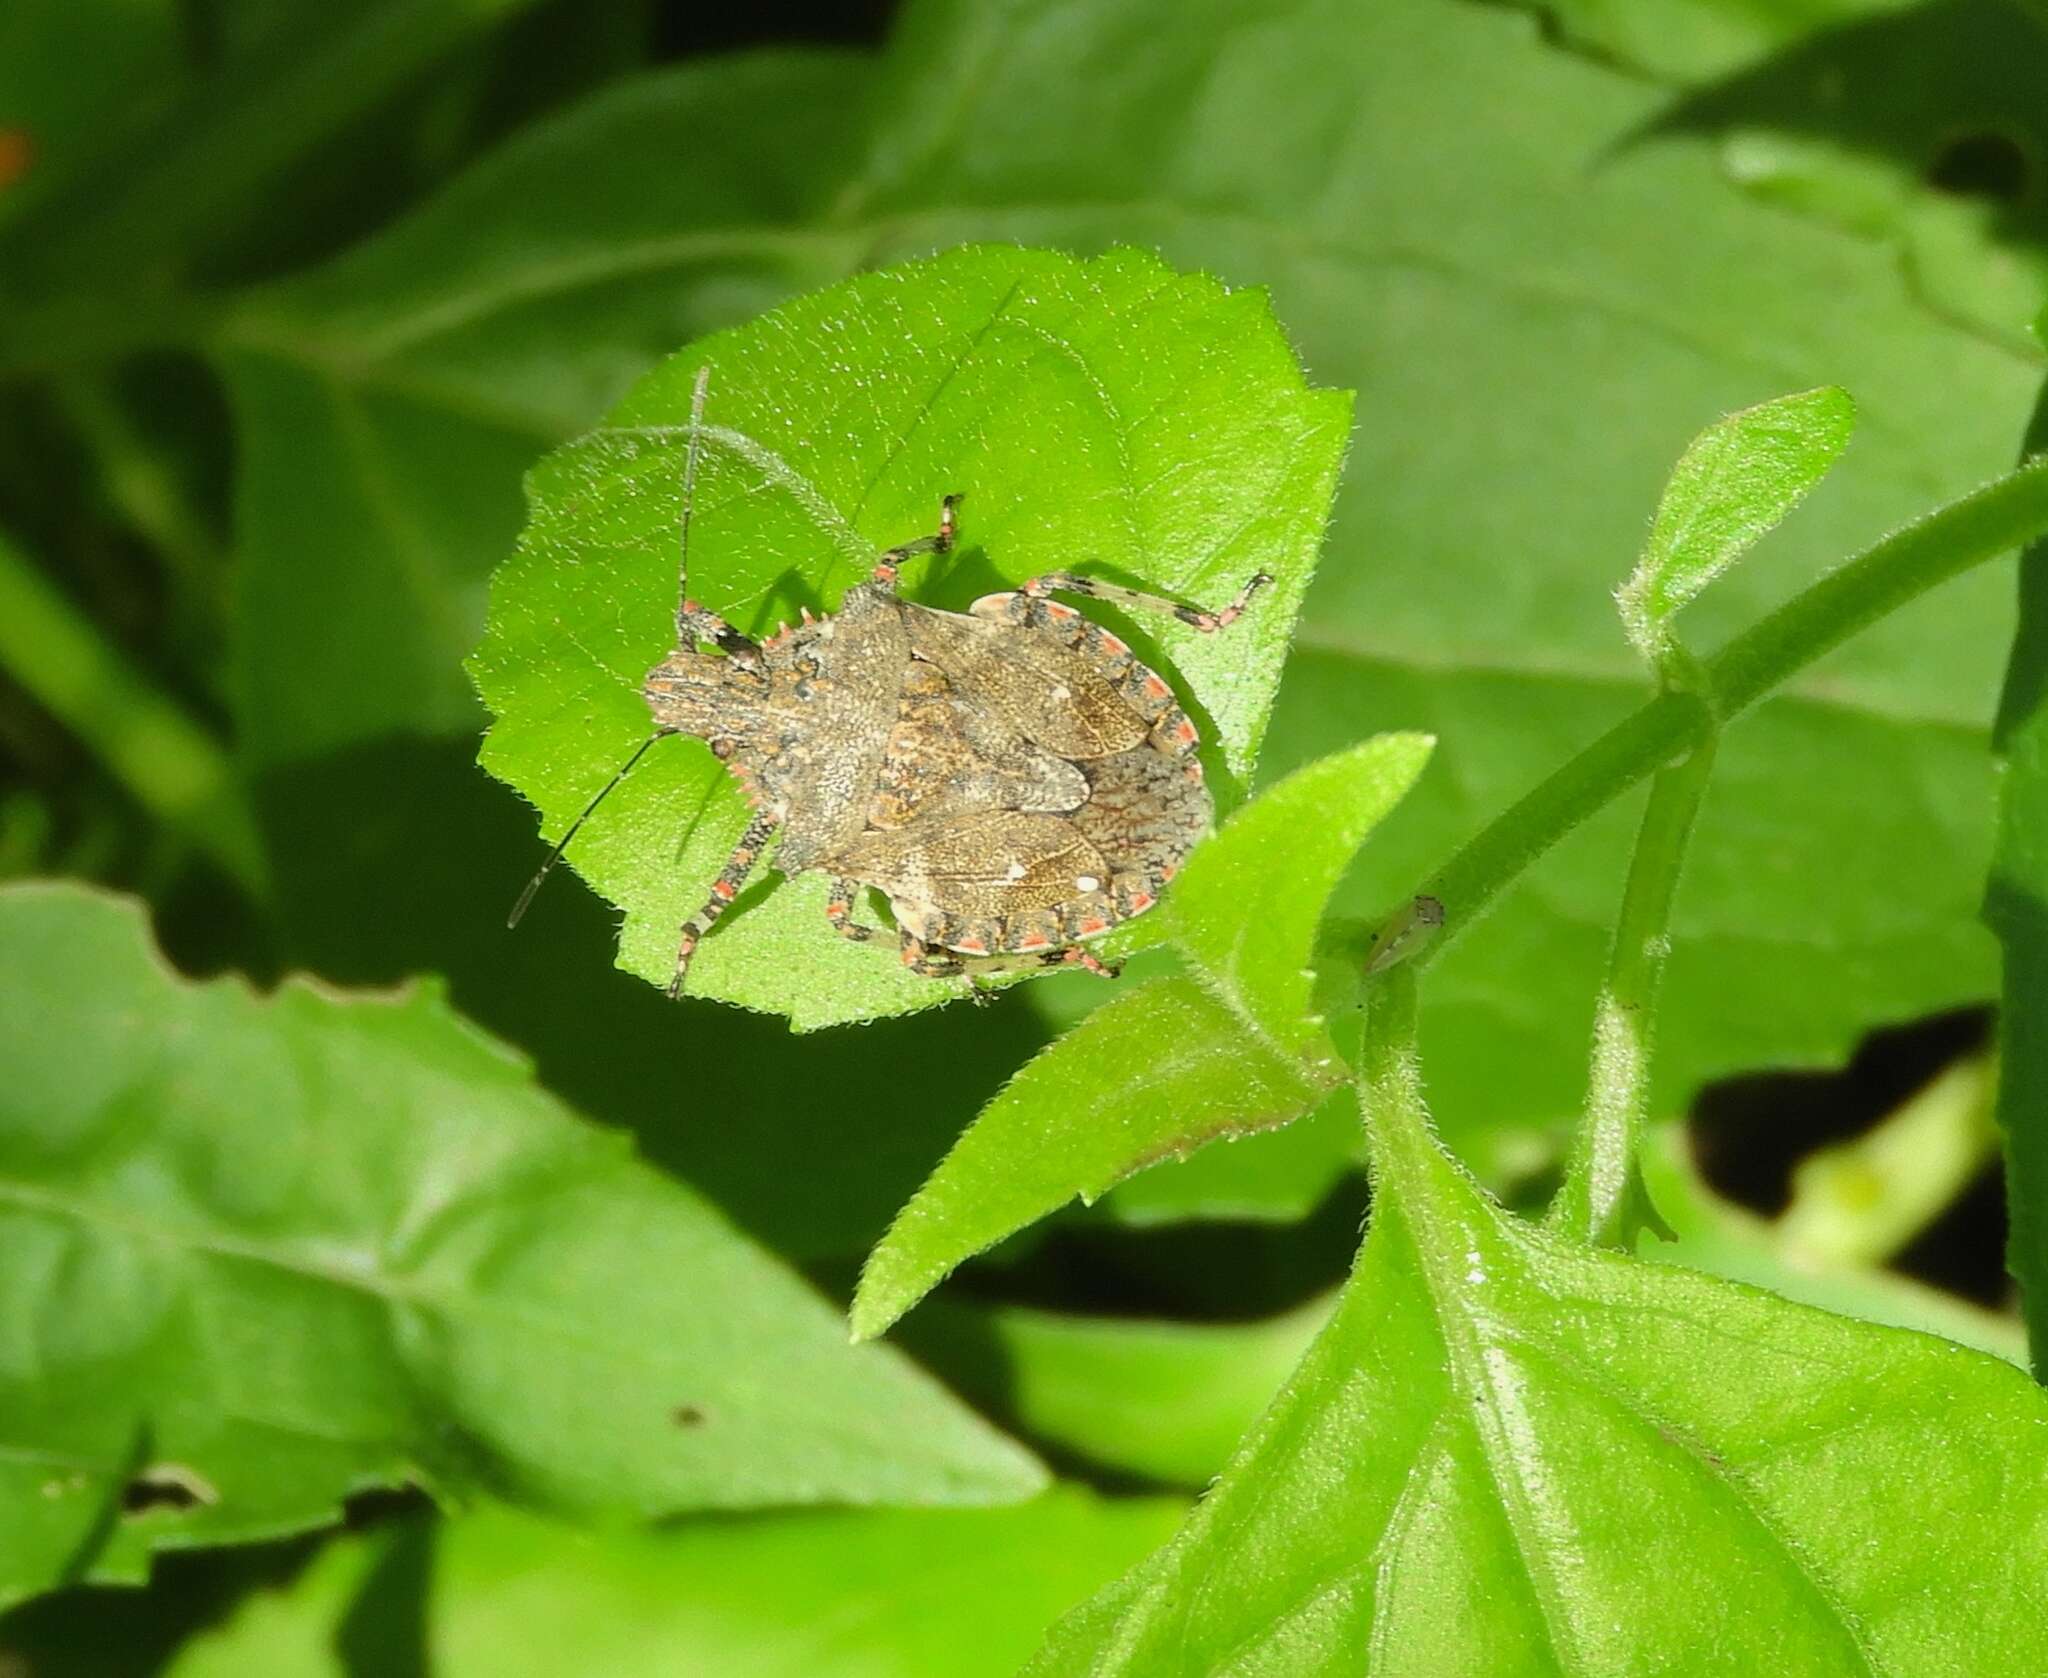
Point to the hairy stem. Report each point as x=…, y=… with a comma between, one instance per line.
x=1599, y=1200
x=1390, y=1083
x=1981, y=526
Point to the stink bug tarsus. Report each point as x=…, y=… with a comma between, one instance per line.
x=1010, y=778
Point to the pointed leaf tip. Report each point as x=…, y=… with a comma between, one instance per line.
x=1737, y=480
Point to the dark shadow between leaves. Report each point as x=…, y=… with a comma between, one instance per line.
x=383, y=1631
x=401, y=857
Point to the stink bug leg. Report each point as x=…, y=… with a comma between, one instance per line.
x=839, y=912
x=1066, y=582
x=696, y=623
x=930, y=961
x=895, y=559
x=723, y=890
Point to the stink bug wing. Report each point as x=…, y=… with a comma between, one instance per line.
x=1050, y=692
x=989, y=865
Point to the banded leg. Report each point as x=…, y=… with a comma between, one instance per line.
x=896, y=558
x=1066, y=582
x=839, y=911
x=723, y=890
x=696, y=623
x=933, y=961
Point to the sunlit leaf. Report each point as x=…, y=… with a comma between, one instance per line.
x=1510, y=1454
x=1109, y=416
x=841, y=1594
x=1736, y=480
x=1165, y=1400
x=1545, y=301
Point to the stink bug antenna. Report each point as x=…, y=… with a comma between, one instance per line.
x=683, y=610
x=533, y=885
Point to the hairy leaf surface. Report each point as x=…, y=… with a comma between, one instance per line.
x=1110, y=417
x=1735, y=481
x=1509, y=1453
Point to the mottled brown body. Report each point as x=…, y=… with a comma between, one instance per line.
x=1011, y=778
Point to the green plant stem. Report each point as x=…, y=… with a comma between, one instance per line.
x=1602, y=1200
x=1408, y=1163
x=1386, y=1061
x=1981, y=526
x=174, y=768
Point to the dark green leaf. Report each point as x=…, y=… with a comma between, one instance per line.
x=2016, y=908
x=1165, y=1400
x=388, y=403
x=1446, y=214
x=1437, y=202
x=1690, y=39
x=66, y=74
x=166, y=191
x=1920, y=125
x=269, y=1252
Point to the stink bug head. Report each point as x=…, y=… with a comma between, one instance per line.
x=715, y=698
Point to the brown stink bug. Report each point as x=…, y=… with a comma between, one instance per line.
x=1010, y=778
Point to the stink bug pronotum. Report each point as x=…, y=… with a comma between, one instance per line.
x=1011, y=779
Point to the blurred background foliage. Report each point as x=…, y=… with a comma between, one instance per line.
x=291, y=295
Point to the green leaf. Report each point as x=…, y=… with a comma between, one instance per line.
x=1228, y=1049
x=266, y=1253
x=1274, y=1176
x=1508, y=1453
x=168, y=191
x=1246, y=911
x=897, y=1594
x=1737, y=480
x=1532, y=308
x=66, y=73
x=1108, y=415
x=2016, y=908
x=1725, y=1239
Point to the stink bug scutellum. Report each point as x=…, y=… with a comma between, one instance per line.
x=1011, y=779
